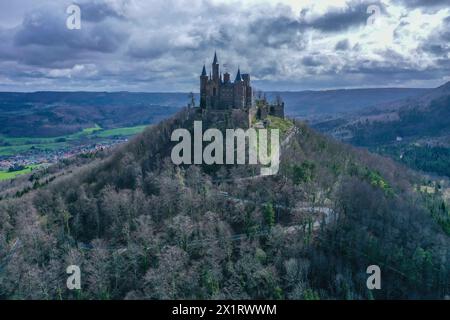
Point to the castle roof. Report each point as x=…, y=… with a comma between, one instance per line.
x=204, y=71
x=215, y=58
x=238, y=76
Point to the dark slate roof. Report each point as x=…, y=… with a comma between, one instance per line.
x=204, y=71
x=215, y=58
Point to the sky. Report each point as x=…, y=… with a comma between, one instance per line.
x=161, y=45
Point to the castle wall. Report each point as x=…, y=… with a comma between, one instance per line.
x=226, y=96
x=239, y=95
x=249, y=97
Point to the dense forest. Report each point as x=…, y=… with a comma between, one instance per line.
x=414, y=131
x=413, y=122
x=52, y=114
x=140, y=227
x=433, y=159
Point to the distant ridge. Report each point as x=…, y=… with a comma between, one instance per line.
x=53, y=113
x=330, y=102
x=426, y=116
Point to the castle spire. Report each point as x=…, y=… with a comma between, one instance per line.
x=215, y=70
x=238, y=76
x=204, y=71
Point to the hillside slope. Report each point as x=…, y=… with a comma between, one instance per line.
x=416, y=131
x=140, y=227
x=49, y=114
x=314, y=104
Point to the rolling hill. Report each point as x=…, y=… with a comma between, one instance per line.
x=317, y=104
x=414, y=130
x=50, y=114
x=140, y=227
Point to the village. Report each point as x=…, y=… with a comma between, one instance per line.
x=36, y=157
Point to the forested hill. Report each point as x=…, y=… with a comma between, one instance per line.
x=49, y=114
x=140, y=227
x=415, y=131
x=312, y=104
x=426, y=116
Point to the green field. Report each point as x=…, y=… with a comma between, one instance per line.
x=5, y=175
x=130, y=131
x=11, y=145
x=283, y=125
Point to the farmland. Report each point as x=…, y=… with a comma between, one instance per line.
x=31, y=152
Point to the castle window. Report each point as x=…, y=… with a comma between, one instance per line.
x=214, y=92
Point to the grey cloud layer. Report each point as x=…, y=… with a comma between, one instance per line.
x=423, y=3
x=137, y=45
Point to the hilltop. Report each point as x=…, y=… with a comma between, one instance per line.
x=140, y=227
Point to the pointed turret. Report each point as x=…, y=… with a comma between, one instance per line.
x=203, y=88
x=238, y=76
x=215, y=70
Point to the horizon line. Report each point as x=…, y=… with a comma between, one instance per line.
x=196, y=92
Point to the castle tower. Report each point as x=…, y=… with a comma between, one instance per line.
x=215, y=85
x=239, y=91
x=203, y=88
x=248, y=90
x=215, y=69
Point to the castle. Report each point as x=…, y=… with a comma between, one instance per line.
x=218, y=93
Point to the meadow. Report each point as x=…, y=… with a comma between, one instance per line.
x=10, y=146
x=6, y=175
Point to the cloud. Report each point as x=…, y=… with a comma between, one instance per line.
x=45, y=29
x=342, y=45
x=423, y=3
x=161, y=45
x=353, y=14
x=99, y=10
x=438, y=43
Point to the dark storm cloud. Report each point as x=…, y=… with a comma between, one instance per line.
x=276, y=31
x=342, y=45
x=423, y=3
x=390, y=69
x=267, y=71
x=311, y=61
x=161, y=45
x=439, y=41
x=49, y=30
x=96, y=11
x=353, y=15
x=149, y=51
x=284, y=29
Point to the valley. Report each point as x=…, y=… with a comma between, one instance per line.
x=331, y=210
x=42, y=128
x=413, y=131
x=31, y=153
